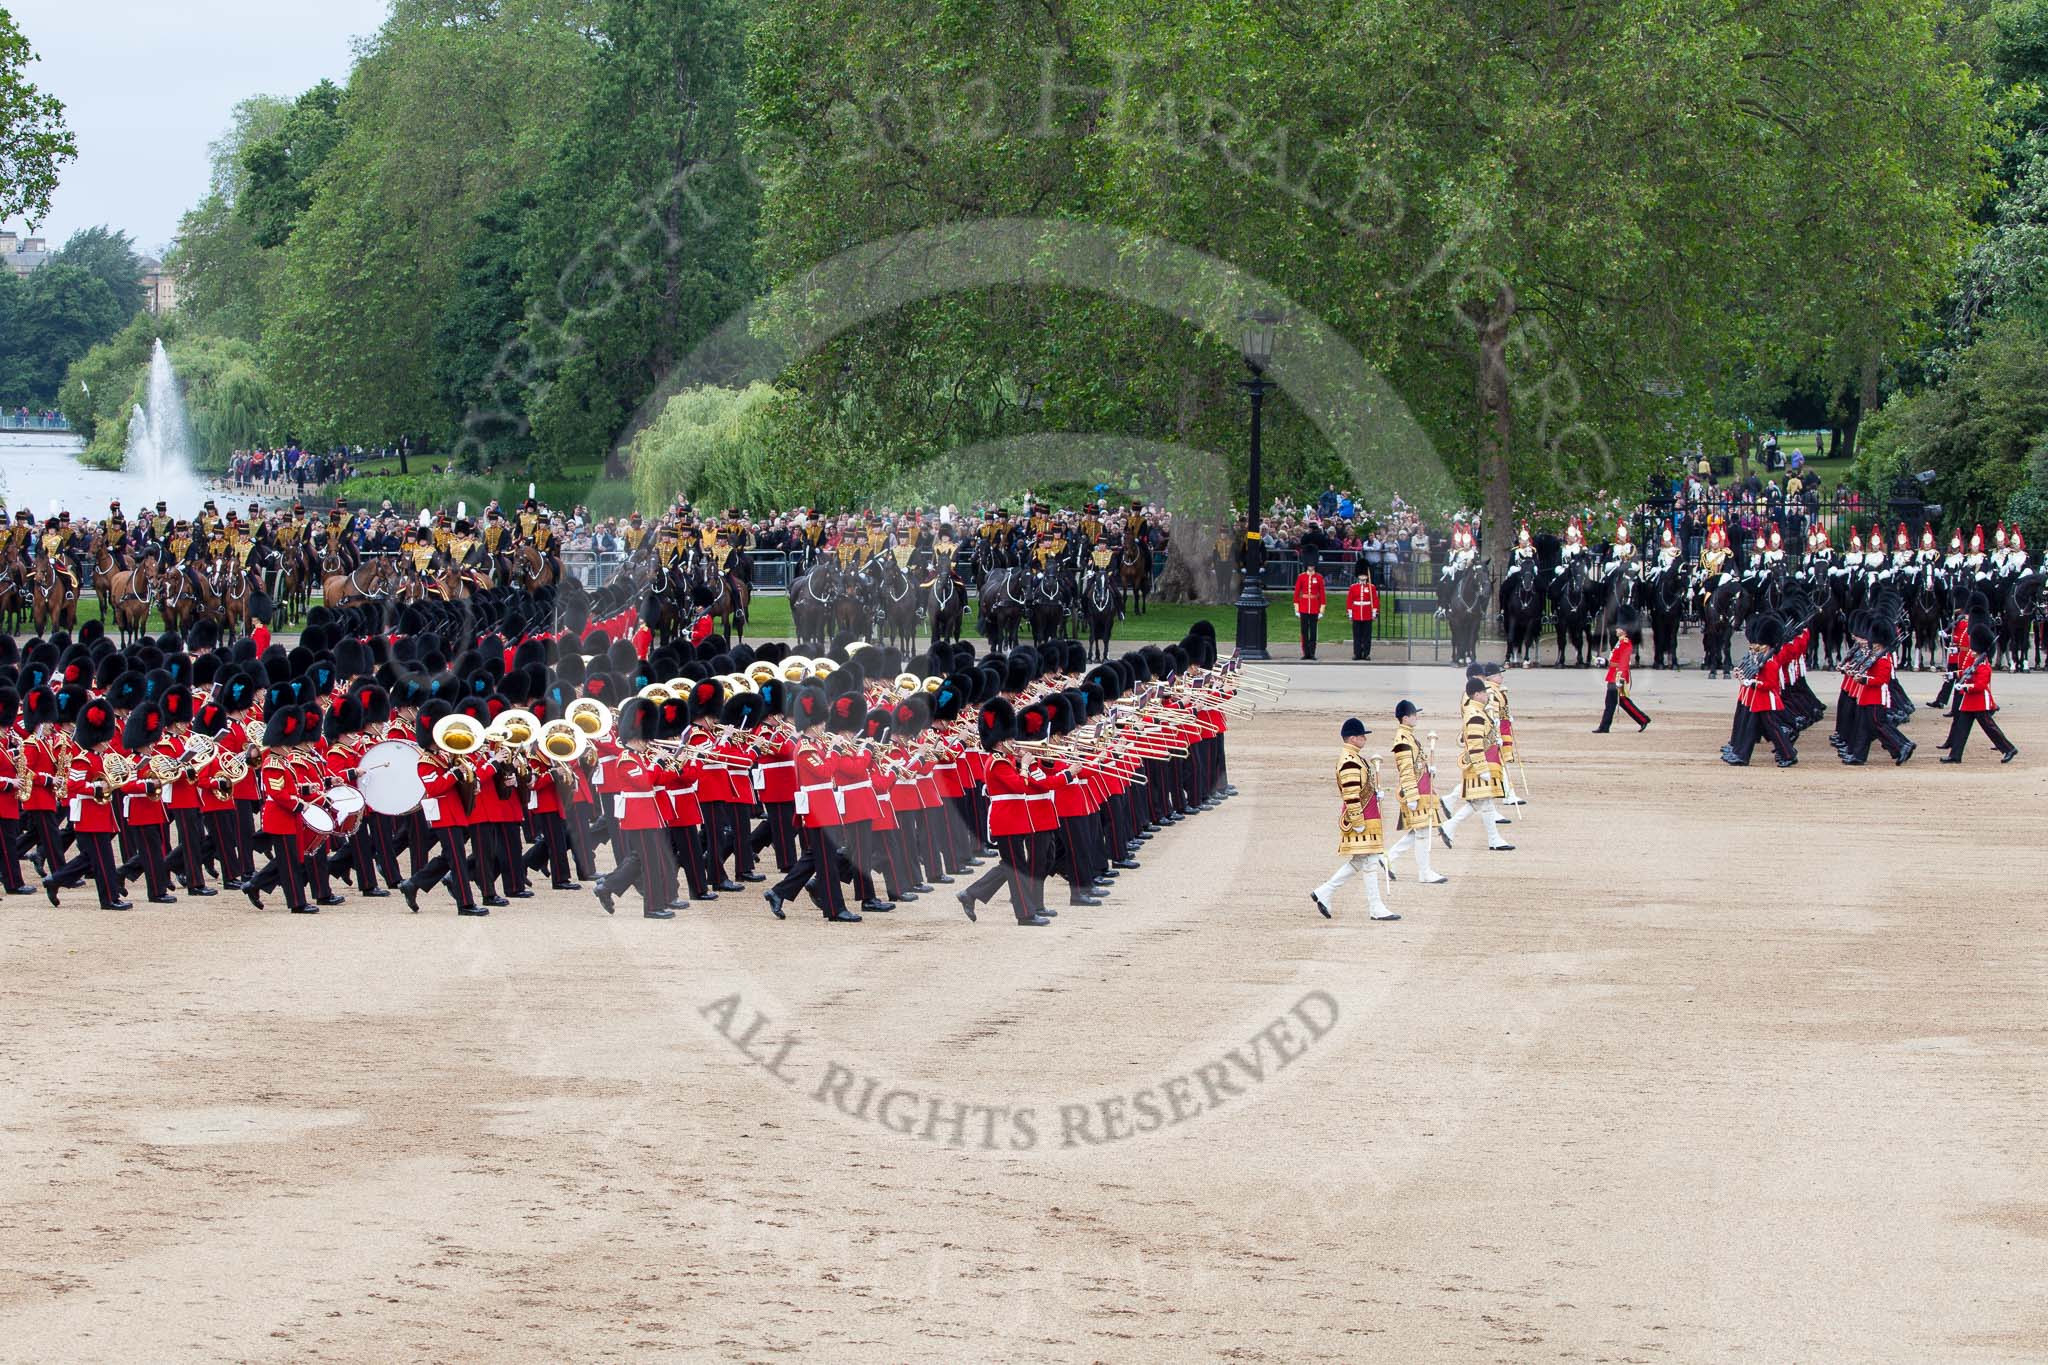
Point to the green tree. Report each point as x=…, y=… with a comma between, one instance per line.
x=1556, y=228
x=34, y=142
x=450, y=107
x=478, y=330
x=1976, y=431
x=224, y=275
x=279, y=171
x=110, y=257
x=642, y=235
x=65, y=312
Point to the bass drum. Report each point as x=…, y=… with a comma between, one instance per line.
x=389, y=778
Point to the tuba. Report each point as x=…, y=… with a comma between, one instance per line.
x=562, y=743
x=590, y=716
x=459, y=736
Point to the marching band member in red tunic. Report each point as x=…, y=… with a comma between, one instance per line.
x=1013, y=784
x=451, y=782
x=13, y=834
x=143, y=803
x=818, y=806
x=1974, y=705
x=91, y=799
x=184, y=803
x=1760, y=703
x=285, y=792
x=635, y=783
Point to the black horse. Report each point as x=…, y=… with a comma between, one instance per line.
x=1003, y=596
x=1667, y=613
x=1102, y=603
x=1521, y=611
x=1572, y=603
x=1462, y=598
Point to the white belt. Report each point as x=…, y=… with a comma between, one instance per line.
x=770, y=767
x=1009, y=796
x=857, y=786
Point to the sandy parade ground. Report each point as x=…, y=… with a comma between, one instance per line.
x=1717, y=1066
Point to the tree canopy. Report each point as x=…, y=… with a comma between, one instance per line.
x=34, y=141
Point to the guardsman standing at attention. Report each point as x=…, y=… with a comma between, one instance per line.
x=1362, y=604
x=1361, y=840
x=1310, y=593
x=1620, y=665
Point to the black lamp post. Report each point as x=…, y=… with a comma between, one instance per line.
x=1259, y=327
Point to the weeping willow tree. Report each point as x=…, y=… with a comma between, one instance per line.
x=228, y=400
x=714, y=446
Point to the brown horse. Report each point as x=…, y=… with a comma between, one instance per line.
x=177, y=601
x=1134, y=569
x=14, y=592
x=229, y=588
x=361, y=585
x=128, y=590
x=56, y=596
x=531, y=569
x=718, y=594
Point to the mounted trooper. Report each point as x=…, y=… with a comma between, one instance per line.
x=1574, y=546
x=1464, y=550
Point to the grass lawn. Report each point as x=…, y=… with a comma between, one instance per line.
x=1166, y=623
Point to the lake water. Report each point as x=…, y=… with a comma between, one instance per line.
x=42, y=473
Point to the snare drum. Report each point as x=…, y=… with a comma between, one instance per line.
x=347, y=805
x=317, y=818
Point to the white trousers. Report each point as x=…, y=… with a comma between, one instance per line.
x=1357, y=865
x=1488, y=810
x=1418, y=840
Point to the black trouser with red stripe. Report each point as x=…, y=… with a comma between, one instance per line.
x=780, y=830
x=1022, y=866
x=1615, y=697
x=191, y=846
x=285, y=869
x=43, y=830
x=1959, y=732
x=550, y=846
x=650, y=863
x=1749, y=724
x=448, y=861
x=820, y=859
x=728, y=831
x=12, y=841
x=152, y=858
x=686, y=848
x=237, y=863
x=96, y=859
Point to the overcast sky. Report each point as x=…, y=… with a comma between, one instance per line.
x=147, y=85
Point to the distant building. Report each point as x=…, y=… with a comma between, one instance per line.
x=24, y=255
x=159, y=287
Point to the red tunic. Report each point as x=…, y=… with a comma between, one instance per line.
x=1618, y=662
x=1010, y=793
x=1309, y=594
x=1975, y=687
x=91, y=813
x=1363, y=601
